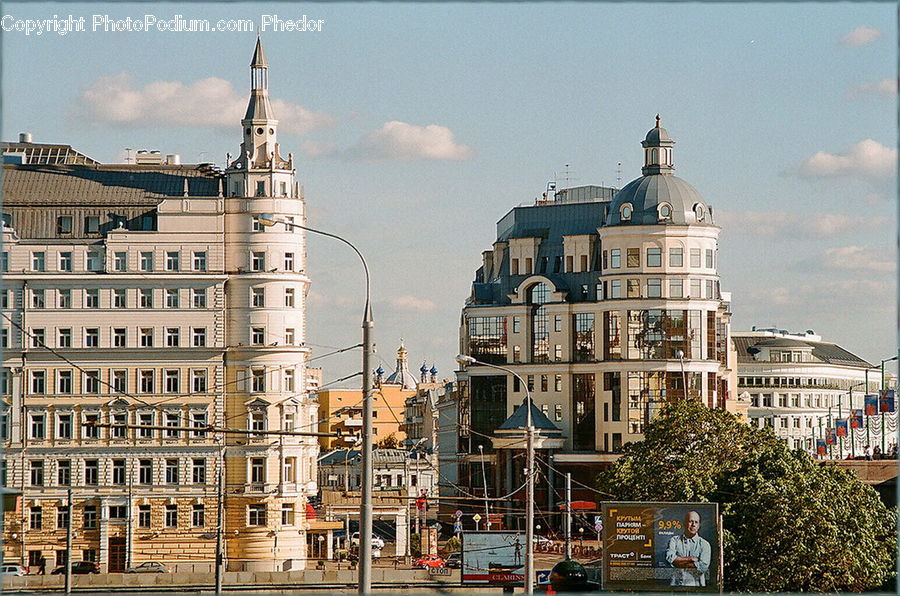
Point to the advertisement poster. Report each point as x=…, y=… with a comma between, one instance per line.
x=493, y=558
x=841, y=427
x=856, y=418
x=661, y=546
x=886, y=401
x=871, y=404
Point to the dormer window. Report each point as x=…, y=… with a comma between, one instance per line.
x=625, y=212
x=699, y=212
x=665, y=211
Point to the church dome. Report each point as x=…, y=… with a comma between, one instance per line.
x=658, y=197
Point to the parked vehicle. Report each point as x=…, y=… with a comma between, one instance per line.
x=454, y=561
x=78, y=568
x=13, y=569
x=148, y=567
x=377, y=541
x=428, y=561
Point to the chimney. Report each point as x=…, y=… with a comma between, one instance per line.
x=25, y=137
x=173, y=159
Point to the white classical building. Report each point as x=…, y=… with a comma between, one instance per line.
x=799, y=385
x=146, y=295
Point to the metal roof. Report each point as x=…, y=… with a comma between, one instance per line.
x=519, y=419
x=646, y=194
x=823, y=352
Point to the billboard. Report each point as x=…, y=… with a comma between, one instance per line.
x=493, y=558
x=661, y=546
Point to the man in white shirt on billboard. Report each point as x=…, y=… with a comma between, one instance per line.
x=689, y=554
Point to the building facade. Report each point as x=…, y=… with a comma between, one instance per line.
x=146, y=299
x=607, y=305
x=799, y=385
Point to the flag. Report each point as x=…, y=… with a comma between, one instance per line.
x=829, y=436
x=841, y=427
x=886, y=401
x=856, y=418
x=871, y=404
x=820, y=447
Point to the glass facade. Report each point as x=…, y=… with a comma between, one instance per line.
x=487, y=339
x=583, y=412
x=583, y=336
x=538, y=295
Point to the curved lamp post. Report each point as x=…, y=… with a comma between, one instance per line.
x=365, y=509
x=529, y=471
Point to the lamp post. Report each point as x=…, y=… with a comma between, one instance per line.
x=879, y=402
x=680, y=355
x=368, y=325
x=487, y=511
x=529, y=471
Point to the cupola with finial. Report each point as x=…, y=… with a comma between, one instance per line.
x=658, y=151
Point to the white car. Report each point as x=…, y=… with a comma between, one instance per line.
x=377, y=541
x=12, y=569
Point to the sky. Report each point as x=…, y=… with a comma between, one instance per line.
x=415, y=127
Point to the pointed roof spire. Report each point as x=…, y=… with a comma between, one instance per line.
x=259, y=56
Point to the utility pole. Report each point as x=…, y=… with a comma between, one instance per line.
x=568, y=532
x=69, y=542
x=487, y=513
x=220, y=525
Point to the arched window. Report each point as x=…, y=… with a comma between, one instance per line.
x=654, y=156
x=625, y=212
x=699, y=212
x=665, y=211
x=538, y=295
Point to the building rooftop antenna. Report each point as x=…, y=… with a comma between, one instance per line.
x=619, y=173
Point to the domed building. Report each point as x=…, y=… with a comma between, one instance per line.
x=606, y=304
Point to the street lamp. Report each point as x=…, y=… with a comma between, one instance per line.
x=680, y=355
x=368, y=325
x=529, y=471
x=487, y=511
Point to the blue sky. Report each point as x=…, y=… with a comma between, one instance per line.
x=417, y=127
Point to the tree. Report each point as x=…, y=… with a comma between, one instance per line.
x=790, y=523
x=388, y=442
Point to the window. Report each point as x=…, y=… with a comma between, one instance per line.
x=257, y=336
x=199, y=261
x=118, y=472
x=709, y=288
x=145, y=298
x=696, y=288
x=173, y=337
x=64, y=381
x=90, y=517
x=258, y=379
x=64, y=224
x=634, y=288
x=171, y=471
x=92, y=381
x=257, y=421
x=93, y=261
x=38, y=262
x=146, y=384
x=118, y=432
x=119, y=299
x=625, y=212
x=37, y=426
x=37, y=472
x=256, y=515
x=35, y=518
x=143, y=516
x=4, y=299
x=119, y=338
x=91, y=337
x=288, y=261
x=197, y=516
x=198, y=381
x=172, y=381
x=64, y=338
x=557, y=323
x=172, y=261
x=64, y=298
x=557, y=412
x=289, y=422
x=198, y=297
x=37, y=299
x=120, y=261
x=198, y=337
x=38, y=381
x=145, y=420
x=289, y=297
x=92, y=224
x=198, y=471
x=557, y=383
x=676, y=257
x=146, y=336
x=91, y=472
x=198, y=420
x=64, y=426
x=4, y=261
x=171, y=518
x=257, y=261
x=615, y=288
x=633, y=257
x=665, y=210
x=173, y=420
x=258, y=297
x=145, y=471
x=64, y=472
x=695, y=257
x=676, y=288
x=289, y=336
x=172, y=299
x=92, y=298
x=583, y=337
x=615, y=258
x=516, y=324
x=257, y=470
x=146, y=261
x=288, y=381
x=65, y=261
x=287, y=514
x=62, y=517
x=709, y=258
x=654, y=257
x=90, y=430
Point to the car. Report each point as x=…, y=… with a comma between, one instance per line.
x=377, y=541
x=454, y=561
x=148, y=567
x=13, y=569
x=78, y=568
x=428, y=561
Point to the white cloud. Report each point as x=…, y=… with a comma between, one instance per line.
x=866, y=159
x=412, y=303
x=317, y=149
x=858, y=258
x=206, y=103
x=401, y=141
x=861, y=36
x=792, y=225
x=883, y=88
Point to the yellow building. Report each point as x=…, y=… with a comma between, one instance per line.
x=340, y=410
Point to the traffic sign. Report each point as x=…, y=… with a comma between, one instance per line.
x=458, y=513
x=457, y=527
x=476, y=517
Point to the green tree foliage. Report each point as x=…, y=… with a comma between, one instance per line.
x=790, y=523
x=388, y=442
